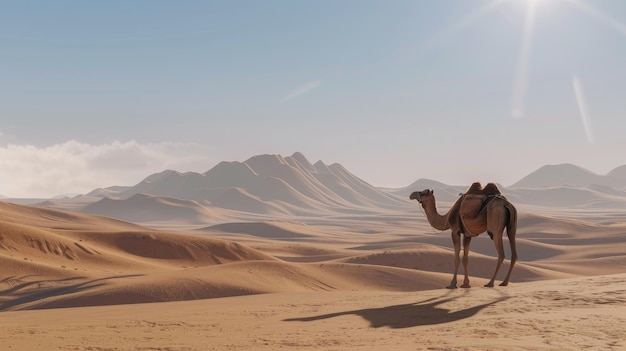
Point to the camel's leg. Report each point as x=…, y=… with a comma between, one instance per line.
x=497, y=241
x=456, y=240
x=466, y=245
x=511, y=236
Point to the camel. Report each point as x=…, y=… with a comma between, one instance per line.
x=477, y=211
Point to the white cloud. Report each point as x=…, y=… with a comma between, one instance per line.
x=75, y=167
x=303, y=89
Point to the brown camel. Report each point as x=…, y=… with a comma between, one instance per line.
x=476, y=211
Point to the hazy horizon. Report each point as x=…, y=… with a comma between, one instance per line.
x=103, y=94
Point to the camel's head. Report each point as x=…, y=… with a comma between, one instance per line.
x=421, y=195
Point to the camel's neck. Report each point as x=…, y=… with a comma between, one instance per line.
x=438, y=221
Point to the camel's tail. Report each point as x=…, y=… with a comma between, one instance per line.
x=511, y=227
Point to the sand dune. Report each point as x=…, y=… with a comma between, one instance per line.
x=109, y=262
x=50, y=256
x=89, y=260
x=49, y=218
x=436, y=259
x=146, y=208
x=272, y=230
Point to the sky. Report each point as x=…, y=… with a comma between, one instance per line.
x=101, y=93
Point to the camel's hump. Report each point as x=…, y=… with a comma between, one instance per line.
x=489, y=189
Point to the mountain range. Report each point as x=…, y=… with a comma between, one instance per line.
x=264, y=184
x=273, y=185
x=571, y=175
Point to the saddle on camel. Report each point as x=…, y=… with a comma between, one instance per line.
x=473, y=202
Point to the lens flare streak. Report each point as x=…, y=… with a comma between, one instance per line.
x=582, y=107
x=521, y=76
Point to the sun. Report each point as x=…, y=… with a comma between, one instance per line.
x=523, y=66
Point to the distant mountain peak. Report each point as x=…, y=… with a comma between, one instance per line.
x=619, y=172
x=321, y=167
x=562, y=167
x=298, y=156
x=161, y=175
x=565, y=174
x=263, y=164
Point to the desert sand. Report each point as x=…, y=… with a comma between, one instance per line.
x=82, y=282
x=296, y=267
x=568, y=314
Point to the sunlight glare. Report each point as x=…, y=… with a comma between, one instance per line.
x=582, y=107
x=521, y=76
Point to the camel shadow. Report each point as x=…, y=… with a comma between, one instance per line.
x=408, y=315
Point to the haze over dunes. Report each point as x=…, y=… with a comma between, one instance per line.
x=269, y=186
